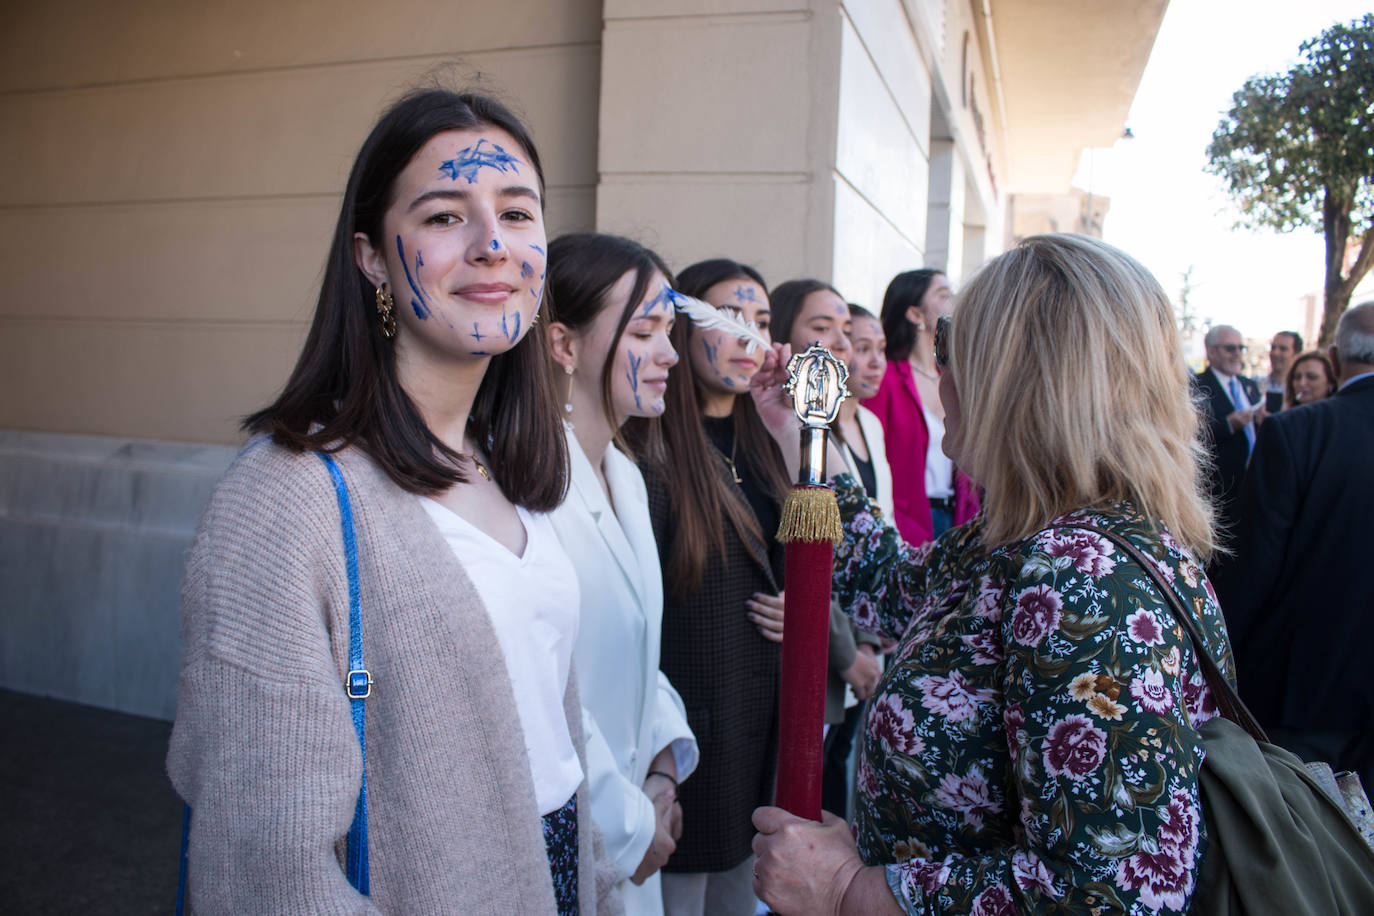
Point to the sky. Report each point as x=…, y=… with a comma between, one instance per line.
x=1168, y=212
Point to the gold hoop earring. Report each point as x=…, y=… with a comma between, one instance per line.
x=386, y=311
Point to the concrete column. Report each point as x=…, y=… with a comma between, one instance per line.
x=717, y=130
x=945, y=214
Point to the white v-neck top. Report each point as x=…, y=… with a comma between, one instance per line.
x=939, y=469
x=533, y=604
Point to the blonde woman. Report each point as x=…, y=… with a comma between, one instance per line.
x=1033, y=743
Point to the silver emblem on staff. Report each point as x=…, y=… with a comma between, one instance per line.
x=816, y=381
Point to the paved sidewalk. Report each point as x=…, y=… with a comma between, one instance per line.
x=90, y=823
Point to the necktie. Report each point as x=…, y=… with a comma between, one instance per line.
x=1243, y=404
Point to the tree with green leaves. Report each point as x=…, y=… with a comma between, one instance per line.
x=1296, y=150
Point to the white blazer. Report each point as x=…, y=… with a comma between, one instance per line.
x=629, y=710
x=872, y=429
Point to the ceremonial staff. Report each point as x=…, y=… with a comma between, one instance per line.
x=810, y=528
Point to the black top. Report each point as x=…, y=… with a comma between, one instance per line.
x=866, y=476
x=720, y=432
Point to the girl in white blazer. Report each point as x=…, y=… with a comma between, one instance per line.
x=610, y=340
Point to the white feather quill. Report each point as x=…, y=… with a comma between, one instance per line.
x=709, y=318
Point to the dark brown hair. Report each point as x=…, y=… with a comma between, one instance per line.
x=583, y=266
x=344, y=389
x=905, y=290
x=701, y=491
x=1290, y=390
x=787, y=302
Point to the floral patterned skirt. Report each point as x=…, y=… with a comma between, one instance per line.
x=560, y=839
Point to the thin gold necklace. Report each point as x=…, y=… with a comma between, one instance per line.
x=933, y=376
x=734, y=441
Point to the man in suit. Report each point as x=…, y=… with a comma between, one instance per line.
x=1233, y=410
x=1282, y=349
x=1296, y=593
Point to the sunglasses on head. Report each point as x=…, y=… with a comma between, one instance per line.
x=942, y=341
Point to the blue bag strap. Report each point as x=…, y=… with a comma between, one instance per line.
x=358, y=684
x=185, y=845
x=358, y=687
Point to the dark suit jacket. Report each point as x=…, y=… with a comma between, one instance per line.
x=1230, y=450
x=728, y=678
x=1297, y=594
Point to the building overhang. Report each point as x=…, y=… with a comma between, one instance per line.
x=1068, y=71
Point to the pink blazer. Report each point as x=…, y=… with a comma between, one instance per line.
x=898, y=406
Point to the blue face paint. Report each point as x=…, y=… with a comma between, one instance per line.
x=503, y=326
x=495, y=245
x=480, y=353
x=710, y=351
x=515, y=328
x=526, y=270
x=664, y=298
x=418, y=302
x=537, y=293
x=633, y=376
x=476, y=334
x=466, y=164
x=727, y=380
x=745, y=294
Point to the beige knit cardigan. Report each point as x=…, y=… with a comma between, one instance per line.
x=264, y=750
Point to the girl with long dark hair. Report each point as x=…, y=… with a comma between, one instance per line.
x=929, y=493
x=613, y=312
x=716, y=483
x=420, y=423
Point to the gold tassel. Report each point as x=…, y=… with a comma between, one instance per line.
x=811, y=515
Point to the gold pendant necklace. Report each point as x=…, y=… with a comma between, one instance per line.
x=734, y=472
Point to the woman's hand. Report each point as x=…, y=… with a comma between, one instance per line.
x=863, y=675
x=802, y=866
x=765, y=612
x=663, y=844
x=773, y=404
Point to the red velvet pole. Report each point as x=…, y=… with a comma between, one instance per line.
x=805, y=651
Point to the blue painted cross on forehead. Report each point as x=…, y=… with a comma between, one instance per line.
x=470, y=159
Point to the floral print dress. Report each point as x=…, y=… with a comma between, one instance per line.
x=1032, y=746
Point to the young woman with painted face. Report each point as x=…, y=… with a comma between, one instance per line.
x=426, y=381
x=859, y=435
x=929, y=493
x=716, y=484
x=613, y=314
x=807, y=312
x=860, y=431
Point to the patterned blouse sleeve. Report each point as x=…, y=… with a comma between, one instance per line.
x=879, y=578
x=1103, y=788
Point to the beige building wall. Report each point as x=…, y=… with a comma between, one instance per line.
x=170, y=174
x=793, y=135
x=717, y=127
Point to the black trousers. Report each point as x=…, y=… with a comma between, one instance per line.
x=839, y=740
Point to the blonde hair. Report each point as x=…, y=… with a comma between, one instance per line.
x=1074, y=391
